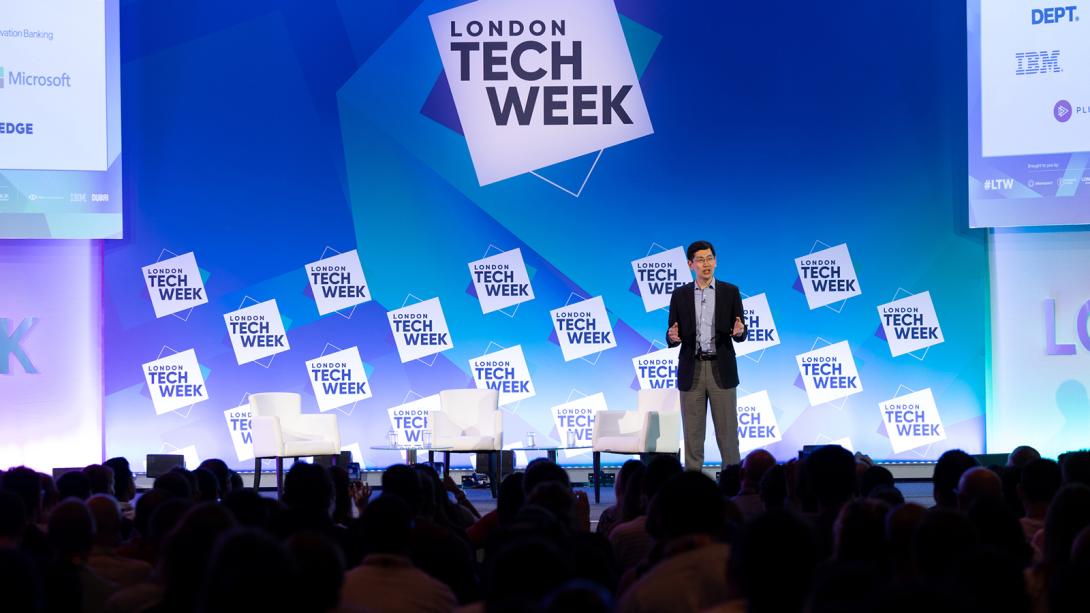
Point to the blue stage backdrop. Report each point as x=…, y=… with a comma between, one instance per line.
x=818, y=146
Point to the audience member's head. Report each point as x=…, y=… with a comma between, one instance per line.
x=875, y=477
x=403, y=482
x=386, y=525
x=629, y=468
x=541, y=470
x=248, y=507
x=947, y=473
x=24, y=483
x=145, y=508
x=978, y=483
x=19, y=582
x=730, y=480
x=107, y=515
x=522, y=573
x=942, y=537
x=987, y=579
x=208, y=486
x=557, y=499
x=859, y=532
x=13, y=519
x=100, y=478
x=248, y=557
x=998, y=529
x=1068, y=514
x=124, y=483
x=1041, y=479
x=321, y=567
x=888, y=494
x=174, y=482
x=1022, y=455
x=187, y=550
x=223, y=475
x=830, y=473
x=71, y=529
x=578, y=595
x=901, y=523
x=773, y=488
x=1076, y=467
x=511, y=497
x=754, y=467
x=308, y=489
x=687, y=504
x=342, y=495
x=772, y=562
x=164, y=519
x=633, y=504
x=74, y=484
x=660, y=469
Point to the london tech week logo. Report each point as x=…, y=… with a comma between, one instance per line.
x=539, y=82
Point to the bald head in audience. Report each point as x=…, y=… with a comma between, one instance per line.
x=978, y=483
x=754, y=468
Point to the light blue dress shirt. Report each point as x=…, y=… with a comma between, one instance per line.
x=705, y=317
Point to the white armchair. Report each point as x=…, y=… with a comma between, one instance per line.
x=280, y=430
x=469, y=421
x=654, y=427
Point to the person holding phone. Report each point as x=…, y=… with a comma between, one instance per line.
x=704, y=316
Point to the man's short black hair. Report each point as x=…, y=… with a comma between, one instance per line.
x=690, y=253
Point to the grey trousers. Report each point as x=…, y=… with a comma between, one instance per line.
x=694, y=417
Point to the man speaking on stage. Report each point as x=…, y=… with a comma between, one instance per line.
x=704, y=316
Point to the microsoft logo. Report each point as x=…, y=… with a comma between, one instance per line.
x=1, y=77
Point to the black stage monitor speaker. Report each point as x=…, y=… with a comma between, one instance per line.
x=57, y=472
x=992, y=459
x=327, y=460
x=506, y=462
x=162, y=463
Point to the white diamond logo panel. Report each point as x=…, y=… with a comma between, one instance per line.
x=256, y=332
x=501, y=281
x=538, y=82
x=420, y=330
x=828, y=276
x=239, y=427
x=910, y=324
x=829, y=373
x=337, y=282
x=504, y=371
x=757, y=427
x=411, y=420
x=657, y=369
x=761, y=328
x=574, y=421
x=175, y=284
x=658, y=275
x=175, y=382
x=912, y=421
x=583, y=328
x=338, y=379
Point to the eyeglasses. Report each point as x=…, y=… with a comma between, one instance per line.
x=704, y=260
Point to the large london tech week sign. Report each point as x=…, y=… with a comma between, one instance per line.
x=539, y=82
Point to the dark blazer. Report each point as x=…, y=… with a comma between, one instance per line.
x=728, y=306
